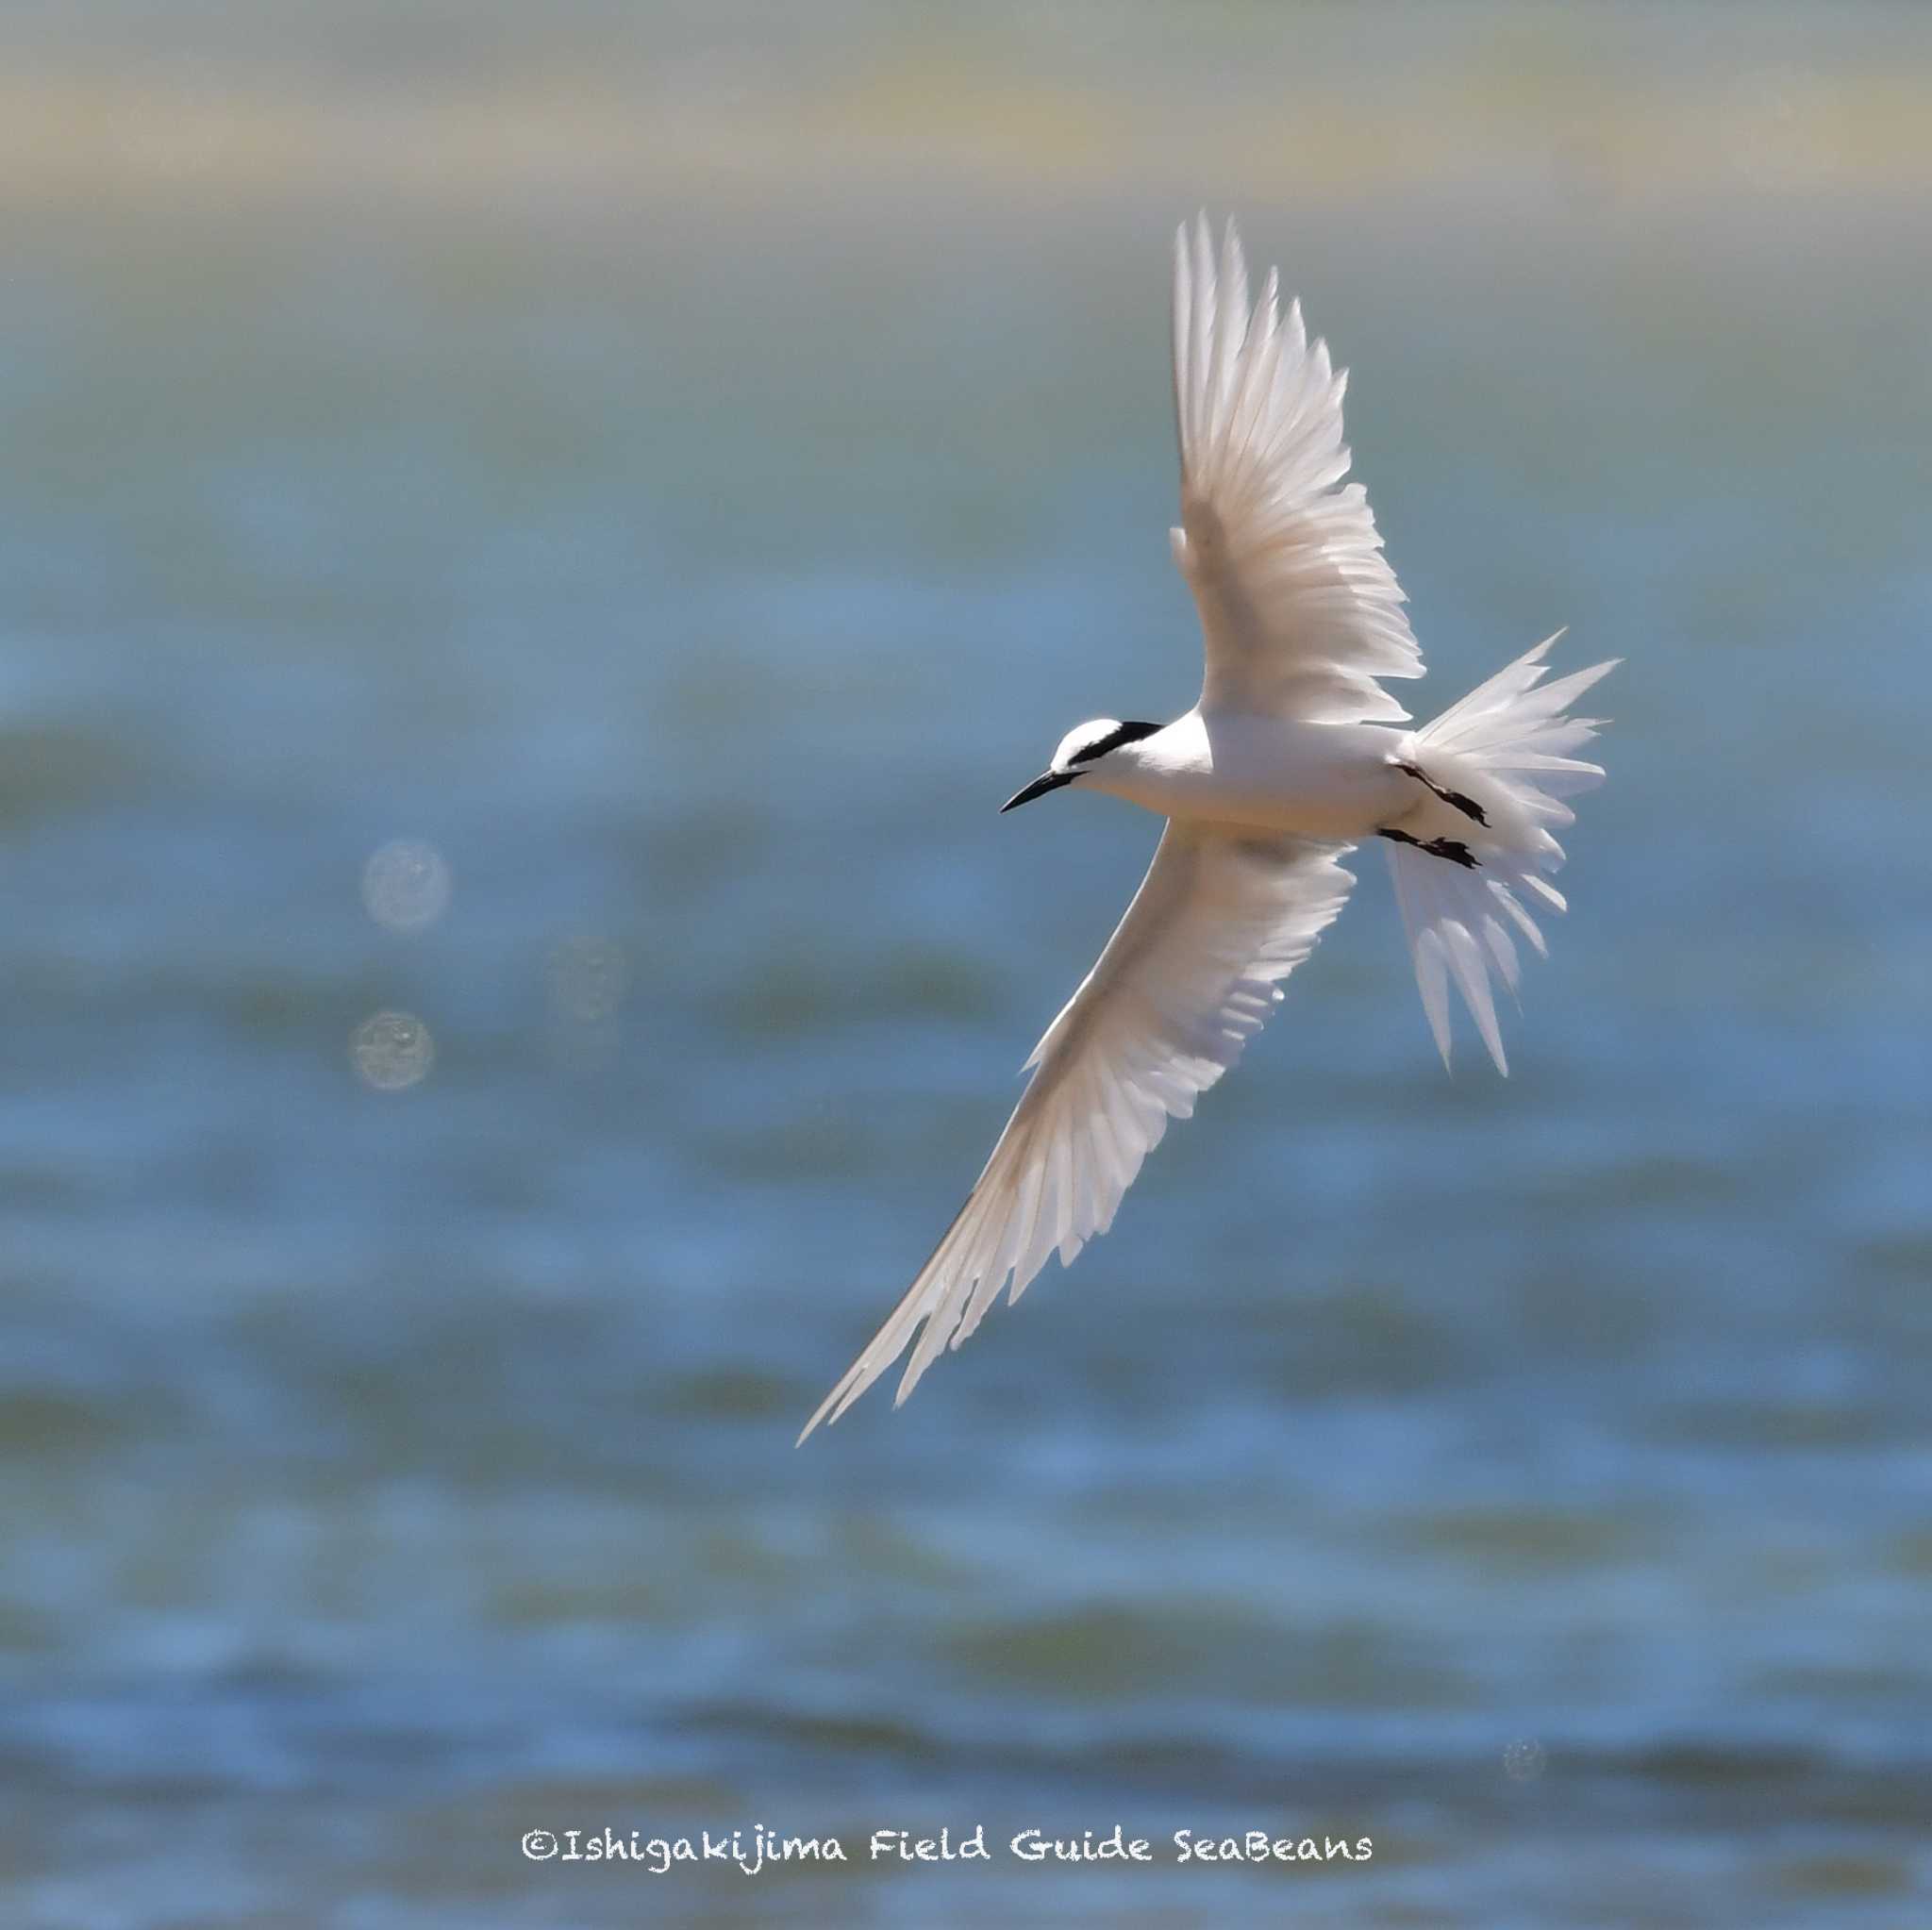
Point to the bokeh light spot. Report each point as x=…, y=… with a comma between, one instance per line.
x=393, y=1050
x=406, y=885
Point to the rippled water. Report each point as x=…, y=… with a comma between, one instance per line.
x=1532, y=1477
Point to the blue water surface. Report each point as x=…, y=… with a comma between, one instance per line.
x=1531, y=1477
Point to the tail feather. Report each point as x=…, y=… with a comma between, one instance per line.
x=1509, y=743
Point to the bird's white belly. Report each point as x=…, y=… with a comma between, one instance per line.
x=1318, y=780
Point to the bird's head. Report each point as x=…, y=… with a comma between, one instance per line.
x=1080, y=750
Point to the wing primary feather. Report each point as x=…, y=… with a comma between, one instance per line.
x=1301, y=615
x=940, y=1317
x=1206, y=314
x=1183, y=343
x=1233, y=319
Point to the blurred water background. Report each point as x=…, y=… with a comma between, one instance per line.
x=683, y=467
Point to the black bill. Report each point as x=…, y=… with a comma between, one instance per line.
x=1047, y=780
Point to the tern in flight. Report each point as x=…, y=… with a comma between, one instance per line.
x=1294, y=755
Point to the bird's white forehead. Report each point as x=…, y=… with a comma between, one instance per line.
x=1080, y=737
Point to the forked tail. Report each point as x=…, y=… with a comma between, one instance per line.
x=1500, y=761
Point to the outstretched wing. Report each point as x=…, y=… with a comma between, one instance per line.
x=1300, y=611
x=1185, y=980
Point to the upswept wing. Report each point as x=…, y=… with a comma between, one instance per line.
x=1300, y=611
x=1188, y=975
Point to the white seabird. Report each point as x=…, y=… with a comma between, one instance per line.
x=1293, y=755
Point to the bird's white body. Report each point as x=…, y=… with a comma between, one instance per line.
x=1295, y=754
x=1337, y=782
